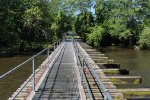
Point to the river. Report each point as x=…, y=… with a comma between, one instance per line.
x=9, y=84
x=137, y=61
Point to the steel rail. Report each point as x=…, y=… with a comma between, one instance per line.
x=32, y=76
x=108, y=96
x=15, y=68
x=82, y=74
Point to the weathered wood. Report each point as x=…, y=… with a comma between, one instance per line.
x=98, y=55
x=125, y=79
x=114, y=66
x=115, y=95
x=105, y=58
x=17, y=98
x=96, y=60
x=93, y=52
x=136, y=94
x=90, y=50
x=110, y=61
x=100, y=60
x=116, y=71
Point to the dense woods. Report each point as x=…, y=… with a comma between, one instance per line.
x=31, y=24
x=119, y=22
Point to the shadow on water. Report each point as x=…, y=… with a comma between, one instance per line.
x=137, y=61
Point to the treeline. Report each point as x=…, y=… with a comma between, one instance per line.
x=29, y=24
x=116, y=22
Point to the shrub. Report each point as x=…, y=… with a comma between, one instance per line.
x=144, y=38
x=95, y=36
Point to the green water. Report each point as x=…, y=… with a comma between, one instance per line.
x=9, y=84
x=137, y=61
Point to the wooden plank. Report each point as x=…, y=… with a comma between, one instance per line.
x=112, y=65
x=93, y=52
x=90, y=50
x=96, y=58
x=110, y=61
x=125, y=79
x=98, y=55
x=136, y=93
x=116, y=71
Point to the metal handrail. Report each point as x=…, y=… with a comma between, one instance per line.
x=33, y=69
x=29, y=79
x=108, y=96
x=15, y=68
x=87, y=84
x=82, y=74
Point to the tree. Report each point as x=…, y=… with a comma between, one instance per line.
x=95, y=36
x=61, y=25
x=120, y=18
x=144, y=40
x=83, y=23
x=11, y=22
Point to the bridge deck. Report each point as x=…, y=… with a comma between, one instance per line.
x=75, y=71
x=69, y=76
x=61, y=81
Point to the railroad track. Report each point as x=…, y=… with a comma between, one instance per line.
x=94, y=87
x=73, y=75
x=91, y=88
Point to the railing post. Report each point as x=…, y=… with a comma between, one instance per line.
x=82, y=68
x=47, y=52
x=57, y=44
x=54, y=46
x=105, y=97
x=33, y=72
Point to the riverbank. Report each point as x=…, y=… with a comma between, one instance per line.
x=5, y=51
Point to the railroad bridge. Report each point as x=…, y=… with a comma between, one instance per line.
x=76, y=71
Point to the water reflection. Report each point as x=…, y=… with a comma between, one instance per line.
x=137, y=61
x=12, y=82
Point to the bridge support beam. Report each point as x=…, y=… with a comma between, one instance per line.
x=116, y=71
x=125, y=79
x=136, y=94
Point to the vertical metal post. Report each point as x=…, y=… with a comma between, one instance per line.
x=105, y=97
x=47, y=52
x=33, y=72
x=54, y=46
x=58, y=42
x=82, y=66
x=81, y=70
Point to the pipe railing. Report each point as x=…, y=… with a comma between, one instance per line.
x=32, y=77
x=82, y=74
x=107, y=95
x=33, y=67
x=32, y=58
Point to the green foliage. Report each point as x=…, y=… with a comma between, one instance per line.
x=144, y=40
x=83, y=23
x=10, y=18
x=27, y=22
x=95, y=36
x=122, y=19
x=61, y=24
